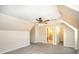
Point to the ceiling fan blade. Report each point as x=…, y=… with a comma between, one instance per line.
x=46, y=20
x=45, y=23
x=37, y=19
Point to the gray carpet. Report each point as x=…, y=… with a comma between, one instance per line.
x=41, y=48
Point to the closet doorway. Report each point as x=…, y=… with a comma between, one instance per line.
x=60, y=35
x=59, y=39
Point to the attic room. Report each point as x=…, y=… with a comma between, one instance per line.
x=39, y=29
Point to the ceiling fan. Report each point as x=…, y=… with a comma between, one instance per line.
x=42, y=21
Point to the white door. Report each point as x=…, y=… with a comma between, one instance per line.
x=69, y=39
x=41, y=34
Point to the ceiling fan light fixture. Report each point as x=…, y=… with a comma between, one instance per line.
x=40, y=24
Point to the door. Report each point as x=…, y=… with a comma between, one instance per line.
x=69, y=40
x=41, y=34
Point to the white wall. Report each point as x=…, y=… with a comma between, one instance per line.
x=31, y=12
x=11, y=40
x=14, y=33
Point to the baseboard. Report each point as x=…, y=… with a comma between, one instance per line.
x=14, y=48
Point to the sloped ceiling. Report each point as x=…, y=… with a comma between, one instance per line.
x=31, y=12
x=74, y=7
x=70, y=15
x=14, y=24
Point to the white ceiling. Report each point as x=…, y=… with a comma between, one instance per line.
x=31, y=12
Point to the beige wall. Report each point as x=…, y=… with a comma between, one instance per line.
x=69, y=15
x=32, y=34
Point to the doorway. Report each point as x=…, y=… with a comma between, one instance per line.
x=49, y=35
x=60, y=34
x=59, y=39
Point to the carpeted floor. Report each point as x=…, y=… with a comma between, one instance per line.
x=41, y=48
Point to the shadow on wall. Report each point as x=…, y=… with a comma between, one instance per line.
x=12, y=23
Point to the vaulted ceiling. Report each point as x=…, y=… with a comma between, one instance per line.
x=70, y=14
x=31, y=12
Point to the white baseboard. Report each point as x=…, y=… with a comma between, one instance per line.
x=14, y=48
